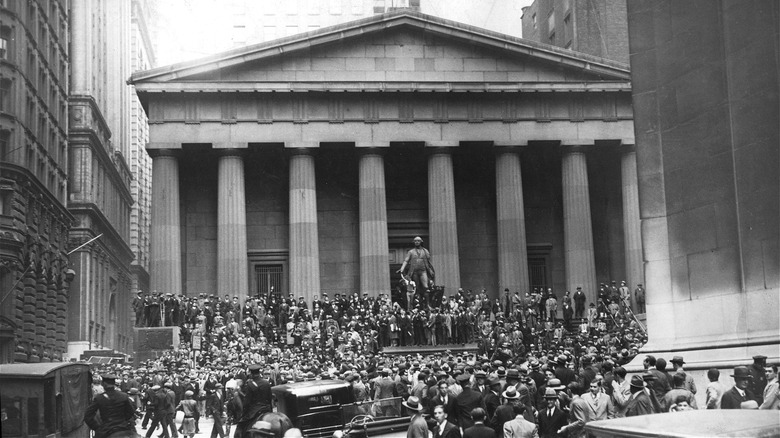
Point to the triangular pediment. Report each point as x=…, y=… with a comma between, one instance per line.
x=400, y=48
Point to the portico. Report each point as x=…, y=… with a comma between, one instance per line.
x=310, y=162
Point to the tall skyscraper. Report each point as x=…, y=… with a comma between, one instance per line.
x=99, y=192
x=597, y=27
x=34, y=221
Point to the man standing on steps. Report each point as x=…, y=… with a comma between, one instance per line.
x=421, y=272
x=579, y=303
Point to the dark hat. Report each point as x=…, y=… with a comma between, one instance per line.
x=462, y=378
x=637, y=382
x=678, y=360
x=741, y=373
x=255, y=368
x=759, y=357
x=109, y=378
x=413, y=403
x=512, y=373
x=493, y=381
x=510, y=393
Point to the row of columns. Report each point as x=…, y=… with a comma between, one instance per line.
x=232, y=270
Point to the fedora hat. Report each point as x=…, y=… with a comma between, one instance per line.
x=555, y=384
x=512, y=373
x=413, y=403
x=510, y=393
x=637, y=382
x=550, y=393
x=741, y=373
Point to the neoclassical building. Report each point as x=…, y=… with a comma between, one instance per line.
x=308, y=163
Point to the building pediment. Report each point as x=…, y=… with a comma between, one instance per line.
x=396, y=51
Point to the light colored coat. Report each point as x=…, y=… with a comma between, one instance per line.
x=520, y=428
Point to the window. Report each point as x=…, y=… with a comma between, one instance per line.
x=5, y=92
x=3, y=47
x=551, y=23
x=537, y=272
x=269, y=280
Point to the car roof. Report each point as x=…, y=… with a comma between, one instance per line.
x=691, y=424
x=313, y=387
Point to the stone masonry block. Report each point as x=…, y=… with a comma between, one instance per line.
x=479, y=64
x=404, y=51
x=360, y=64
x=448, y=64
x=424, y=64
x=328, y=64
x=385, y=64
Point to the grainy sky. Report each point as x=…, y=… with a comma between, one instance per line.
x=190, y=29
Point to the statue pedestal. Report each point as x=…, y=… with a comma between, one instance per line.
x=152, y=342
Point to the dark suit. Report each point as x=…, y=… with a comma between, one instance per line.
x=641, y=405
x=549, y=426
x=450, y=408
x=503, y=414
x=479, y=431
x=732, y=399
x=450, y=431
x=466, y=401
x=492, y=401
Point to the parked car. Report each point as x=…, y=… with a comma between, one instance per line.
x=320, y=408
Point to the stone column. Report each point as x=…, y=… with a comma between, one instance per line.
x=577, y=229
x=512, y=253
x=442, y=222
x=304, y=237
x=165, y=251
x=374, y=252
x=632, y=226
x=232, y=263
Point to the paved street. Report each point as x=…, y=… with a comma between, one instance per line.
x=205, y=427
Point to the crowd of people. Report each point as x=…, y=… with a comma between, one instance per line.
x=547, y=360
x=554, y=392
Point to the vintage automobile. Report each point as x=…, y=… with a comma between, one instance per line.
x=320, y=408
x=691, y=424
x=44, y=399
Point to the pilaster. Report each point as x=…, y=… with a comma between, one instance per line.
x=632, y=226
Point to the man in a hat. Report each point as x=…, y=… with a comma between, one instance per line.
x=505, y=412
x=551, y=418
x=467, y=401
x=562, y=372
x=639, y=296
x=418, y=427
x=418, y=260
x=492, y=396
x=757, y=371
x=639, y=403
x=138, y=308
x=677, y=364
x=444, y=428
x=111, y=412
x=741, y=392
x=257, y=400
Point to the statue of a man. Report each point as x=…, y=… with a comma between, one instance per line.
x=418, y=260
